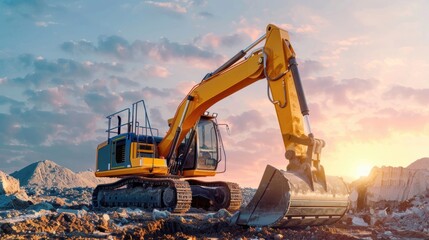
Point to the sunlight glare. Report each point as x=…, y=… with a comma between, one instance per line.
x=363, y=170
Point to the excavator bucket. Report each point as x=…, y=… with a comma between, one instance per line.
x=286, y=199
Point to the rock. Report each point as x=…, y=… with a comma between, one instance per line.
x=382, y=213
x=79, y=213
x=397, y=184
x=41, y=206
x=59, y=202
x=156, y=214
x=357, y=221
x=8, y=228
x=222, y=213
x=181, y=219
x=278, y=236
x=105, y=217
x=123, y=213
x=8, y=184
x=209, y=216
x=17, y=200
x=422, y=163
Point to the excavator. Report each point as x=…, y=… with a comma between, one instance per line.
x=160, y=172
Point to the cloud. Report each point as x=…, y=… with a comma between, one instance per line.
x=205, y=14
x=166, y=50
x=340, y=92
x=103, y=103
x=32, y=127
x=389, y=62
x=174, y=7
x=156, y=71
x=246, y=121
x=253, y=32
x=61, y=71
x=213, y=41
x=26, y=8
x=81, y=46
x=305, y=28
x=163, y=50
x=420, y=96
x=388, y=121
x=157, y=121
x=8, y=101
x=44, y=23
x=309, y=67
x=55, y=97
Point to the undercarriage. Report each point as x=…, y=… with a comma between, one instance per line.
x=174, y=195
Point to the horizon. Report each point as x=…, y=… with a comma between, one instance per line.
x=363, y=66
x=347, y=179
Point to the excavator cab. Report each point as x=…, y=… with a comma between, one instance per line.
x=200, y=152
x=131, y=147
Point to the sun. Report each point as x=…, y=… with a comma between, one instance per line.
x=363, y=170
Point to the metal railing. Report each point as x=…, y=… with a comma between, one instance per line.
x=132, y=123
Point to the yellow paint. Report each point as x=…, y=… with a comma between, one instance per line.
x=159, y=167
x=198, y=173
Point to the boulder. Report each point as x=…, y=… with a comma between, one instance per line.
x=156, y=214
x=78, y=212
x=396, y=184
x=390, y=186
x=18, y=200
x=8, y=184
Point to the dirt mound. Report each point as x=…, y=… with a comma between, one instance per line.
x=92, y=181
x=48, y=174
x=422, y=163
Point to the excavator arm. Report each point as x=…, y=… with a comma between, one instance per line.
x=300, y=196
x=272, y=62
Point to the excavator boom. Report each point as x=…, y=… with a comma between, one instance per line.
x=301, y=195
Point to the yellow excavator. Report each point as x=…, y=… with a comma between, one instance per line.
x=159, y=172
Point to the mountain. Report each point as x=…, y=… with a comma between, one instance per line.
x=49, y=174
x=422, y=163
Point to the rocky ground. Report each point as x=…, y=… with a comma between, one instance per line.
x=67, y=213
x=58, y=209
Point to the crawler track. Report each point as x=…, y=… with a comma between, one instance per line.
x=232, y=196
x=170, y=194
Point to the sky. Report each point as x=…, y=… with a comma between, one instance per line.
x=66, y=65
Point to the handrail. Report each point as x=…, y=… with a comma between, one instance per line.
x=109, y=128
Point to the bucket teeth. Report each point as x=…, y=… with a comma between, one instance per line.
x=284, y=199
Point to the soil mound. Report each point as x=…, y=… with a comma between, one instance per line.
x=48, y=174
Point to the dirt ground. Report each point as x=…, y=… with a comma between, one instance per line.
x=131, y=224
x=67, y=214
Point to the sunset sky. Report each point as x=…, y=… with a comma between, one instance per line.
x=65, y=65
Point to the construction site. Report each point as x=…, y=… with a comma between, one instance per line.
x=226, y=126
x=54, y=202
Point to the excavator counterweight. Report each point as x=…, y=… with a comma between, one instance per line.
x=152, y=166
